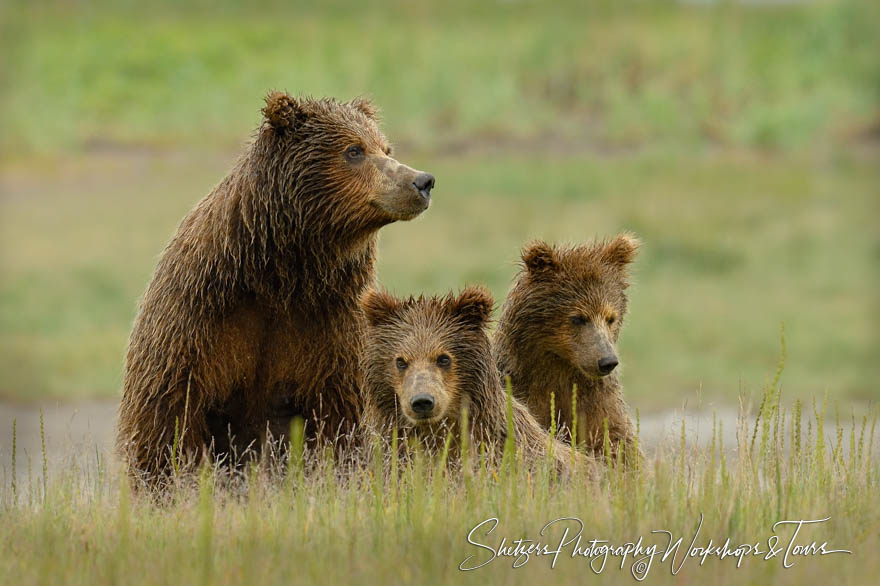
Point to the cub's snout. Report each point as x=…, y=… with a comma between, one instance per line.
x=423, y=392
x=422, y=404
x=607, y=364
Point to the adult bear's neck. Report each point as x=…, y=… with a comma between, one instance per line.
x=280, y=259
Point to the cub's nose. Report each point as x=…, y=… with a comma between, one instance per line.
x=424, y=183
x=422, y=404
x=607, y=364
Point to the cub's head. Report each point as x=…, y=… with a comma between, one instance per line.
x=426, y=358
x=571, y=301
x=334, y=154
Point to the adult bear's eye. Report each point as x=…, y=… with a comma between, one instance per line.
x=443, y=361
x=578, y=320
x=611, y=320
x=401, y=364
x=354, y=153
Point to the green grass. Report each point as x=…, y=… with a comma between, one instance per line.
x=615, y=74
x=380, y=519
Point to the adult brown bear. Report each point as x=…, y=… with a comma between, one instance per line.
x=252, y=314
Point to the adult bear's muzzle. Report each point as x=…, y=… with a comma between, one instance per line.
x=405, y=192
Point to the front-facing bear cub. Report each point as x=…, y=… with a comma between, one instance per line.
x=559, y=328
x=427, y=359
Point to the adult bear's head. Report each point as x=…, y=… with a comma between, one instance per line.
x=332, y=166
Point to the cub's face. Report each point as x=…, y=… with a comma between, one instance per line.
x=573, y=301
x=426, y=357
x=340, y=145
x=425, y=383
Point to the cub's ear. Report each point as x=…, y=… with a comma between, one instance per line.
x=378, y=306
x=365, y=106
x=282, y=112
x=540, y=258
x=473, y=305
x=622, y=250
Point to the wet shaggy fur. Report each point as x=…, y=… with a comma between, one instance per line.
x=565, y=310
x=417, y=332
x=252, y=315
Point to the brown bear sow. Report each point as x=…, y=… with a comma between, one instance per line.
x=426, y=359
x=252, y=314
x=559, y=328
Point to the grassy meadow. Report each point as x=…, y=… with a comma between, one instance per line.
x=739, y=141
x=698, y=514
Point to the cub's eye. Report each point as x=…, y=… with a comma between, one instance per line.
x=443, y=361
x=401, y=364
x=611, y=320
x=388, y=151
x=354, y=153
x=578, y=320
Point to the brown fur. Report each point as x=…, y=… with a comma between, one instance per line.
x=252, y=314
x=405, y=343
x=563, y=314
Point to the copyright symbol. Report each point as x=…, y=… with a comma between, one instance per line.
x=640, y=568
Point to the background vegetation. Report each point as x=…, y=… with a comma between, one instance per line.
x=739, y=141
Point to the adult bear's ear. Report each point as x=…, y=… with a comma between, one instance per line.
x=366, y=107
x=621, y=251
x=282, y=112
x=378, y=306
x=540, y=258
x=473, y=305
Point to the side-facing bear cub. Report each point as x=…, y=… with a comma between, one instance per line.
x=426, y=359
x=559, y=328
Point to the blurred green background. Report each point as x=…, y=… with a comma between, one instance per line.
x=740, y=141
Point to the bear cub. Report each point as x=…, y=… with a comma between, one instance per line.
x=559, y=328
x=427, y=359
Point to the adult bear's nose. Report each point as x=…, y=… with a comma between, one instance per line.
x=607, y=364
x=424, y=183
x=422, y=404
